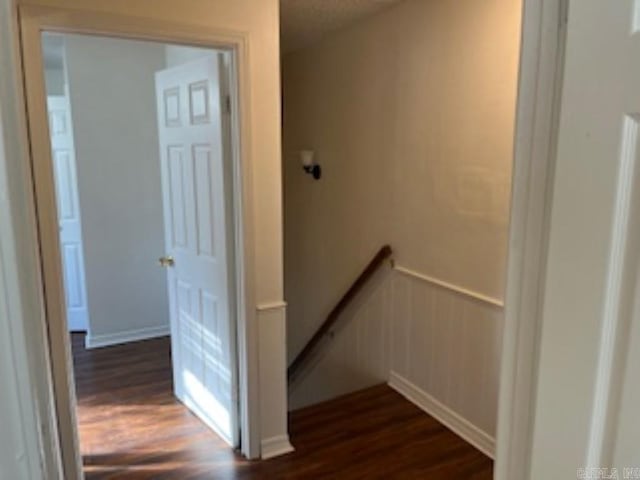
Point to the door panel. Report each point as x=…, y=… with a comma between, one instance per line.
x=196, y=223
x=587, y=394
x=73, y=276
x=205, y=202
x=66, y=183
x=177, y=204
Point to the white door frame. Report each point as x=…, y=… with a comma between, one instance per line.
x=35, y=20
x=540, y=74
x=539, y=94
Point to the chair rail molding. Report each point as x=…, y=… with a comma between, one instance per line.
x=450, y=286
x=275, y=305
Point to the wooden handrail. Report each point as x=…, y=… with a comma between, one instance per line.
x=367, y=273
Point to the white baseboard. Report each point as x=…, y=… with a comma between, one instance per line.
x=276, y=446
x=97, y=341
x=450, y=419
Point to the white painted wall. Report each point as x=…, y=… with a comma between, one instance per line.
x=411, y=115
x=177, y=55
x=111, y=85
x=55, y=80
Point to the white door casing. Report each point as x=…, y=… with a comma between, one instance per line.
x=68, y=207
x=198, y=227
x=590, y=345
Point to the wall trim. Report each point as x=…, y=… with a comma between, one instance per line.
x=450, y=419
x=277, y=305
x=276, y=446
x=98, y=341
x=450, y=286
x=537, y=118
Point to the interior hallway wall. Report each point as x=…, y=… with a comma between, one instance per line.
x=55, y=81
x=112, y=93
x=411, y=115
x=258, y=21
x=177, y=54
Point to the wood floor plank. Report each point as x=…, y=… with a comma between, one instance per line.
x=132, y=427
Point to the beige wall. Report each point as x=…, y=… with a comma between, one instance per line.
x=411, y=115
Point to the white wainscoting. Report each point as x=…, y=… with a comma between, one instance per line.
x=273, y=380
x=442, y=341
x=448, y=344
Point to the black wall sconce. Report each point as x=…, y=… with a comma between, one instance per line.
x=309, y=164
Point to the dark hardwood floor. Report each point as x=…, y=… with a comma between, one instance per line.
x=131, y=427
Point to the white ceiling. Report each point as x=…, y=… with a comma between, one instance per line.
x=304, y=22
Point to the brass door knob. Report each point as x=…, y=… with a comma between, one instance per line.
x=166, y=261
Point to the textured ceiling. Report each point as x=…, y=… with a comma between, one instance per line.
x=305, y=21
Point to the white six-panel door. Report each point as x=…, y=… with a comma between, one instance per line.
x=588, y=393
x=64, y=165
x=196, y=222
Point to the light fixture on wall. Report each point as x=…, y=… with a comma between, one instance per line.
x=309, y=164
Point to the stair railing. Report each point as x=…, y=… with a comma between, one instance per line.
x=375, y=263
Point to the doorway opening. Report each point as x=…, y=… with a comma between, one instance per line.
x=143, y=164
